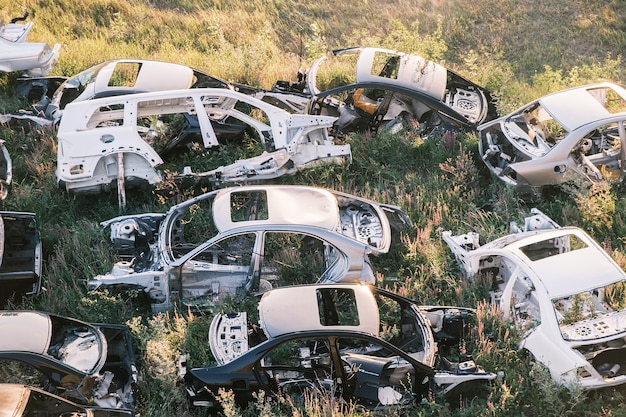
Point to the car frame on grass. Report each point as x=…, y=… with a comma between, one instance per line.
x=577, y=133
x=86, y=363
x=390, y=90
x=562, y=290
x=246, y=239
x=107, y=142
x=18, y=400
x=361, y=344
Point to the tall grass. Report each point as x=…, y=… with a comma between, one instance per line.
x=519, y=51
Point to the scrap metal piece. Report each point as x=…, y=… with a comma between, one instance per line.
x=92, y=132
x=16, y=54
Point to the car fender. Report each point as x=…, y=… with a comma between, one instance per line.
x=550, y=350
x=98, y=157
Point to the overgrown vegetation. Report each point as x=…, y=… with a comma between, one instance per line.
x=519, y=51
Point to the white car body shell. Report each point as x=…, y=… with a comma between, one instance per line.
x=16, y=54
x=354, y=226
x=97, y=145
x=528, y=290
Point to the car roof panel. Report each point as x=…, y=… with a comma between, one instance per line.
x=27, y=331
x=574, y=108
x=152, y=76
x=571, y=272
x=413, y=72
x=285, y=205
x=292, y=309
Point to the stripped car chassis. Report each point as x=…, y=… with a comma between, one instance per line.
x=107, y=143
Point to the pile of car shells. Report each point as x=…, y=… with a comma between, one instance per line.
x=320, y=327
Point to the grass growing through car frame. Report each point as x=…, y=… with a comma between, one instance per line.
x=517, y=50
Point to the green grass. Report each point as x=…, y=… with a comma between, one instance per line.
x=519, y=51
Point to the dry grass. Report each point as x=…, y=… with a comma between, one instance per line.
x=518, y=50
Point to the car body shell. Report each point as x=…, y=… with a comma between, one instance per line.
x=21, y=401
x=84, y=362
x=554, y=283
x=387, y=87
x=323, y=315
x=127, y=76
x=20, y=255
x=102, y=141
x=572, y=134
x=249, y=235
x=17, y=54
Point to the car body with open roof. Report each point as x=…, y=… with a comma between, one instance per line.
x=574, y=134
x=246, y=239
x=357, y=342
x=562, y=290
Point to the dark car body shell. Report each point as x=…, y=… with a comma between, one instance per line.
x=75, y=384
x=42, y=403
x=21, y=255
x=361, y=381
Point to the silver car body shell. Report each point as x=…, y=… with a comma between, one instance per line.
x=529, y=166
x=91, y=158
x=16, y=54
x=528, y=290
x=355, y=226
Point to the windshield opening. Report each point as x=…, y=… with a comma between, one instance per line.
x=75, y=344
x=534, y=130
